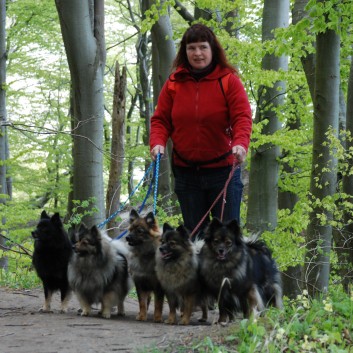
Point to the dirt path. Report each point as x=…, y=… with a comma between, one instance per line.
x=25, y=330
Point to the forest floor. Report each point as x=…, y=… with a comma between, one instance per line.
x=26, y=330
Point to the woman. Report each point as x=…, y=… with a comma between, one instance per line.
x=204, y=109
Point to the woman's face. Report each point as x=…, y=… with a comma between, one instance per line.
x=199, y=54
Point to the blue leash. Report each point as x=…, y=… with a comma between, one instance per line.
x=101, y=225
x=155, y=178
x=156, y=175
x=140, y=209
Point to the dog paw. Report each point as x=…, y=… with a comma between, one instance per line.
x=45, y=310
x=222, y=323
x=170, y=322
x=106, y=315
x=140, y=317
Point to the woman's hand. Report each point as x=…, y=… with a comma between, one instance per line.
x=155, y=150
x=239, y=153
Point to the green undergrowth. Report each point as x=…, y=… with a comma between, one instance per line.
x=305, y=325
x=18, y=272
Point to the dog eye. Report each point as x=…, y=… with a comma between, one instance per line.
x=172, y=244
x=228, y=243
x=215, y=241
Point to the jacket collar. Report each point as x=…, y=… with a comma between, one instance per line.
x=182, y=73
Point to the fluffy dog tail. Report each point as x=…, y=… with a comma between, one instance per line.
x=119, y=245
x=228, y=303
x=198, y=244
x=252, y=238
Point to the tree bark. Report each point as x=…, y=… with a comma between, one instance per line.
x=324, y=163
x=4, y=191
x=308, y=61
x=82, y=26
x=163, y=54
x=344, y=240
x=291, y=279
x=117, y=150
x=263, y=178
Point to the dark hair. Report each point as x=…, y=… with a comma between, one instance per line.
x=201, y=33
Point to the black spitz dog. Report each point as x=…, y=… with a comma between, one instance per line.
x=240, y=273
x=51, y=255
x=177, y=268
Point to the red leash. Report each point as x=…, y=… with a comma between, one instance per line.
x=236, y=164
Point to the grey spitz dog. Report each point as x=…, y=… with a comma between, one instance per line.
x=177, y=268
x=98, y=271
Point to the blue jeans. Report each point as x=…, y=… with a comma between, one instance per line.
x=197, y=189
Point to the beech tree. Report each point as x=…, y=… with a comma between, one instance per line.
x=324, y=160
x=163, y=54
x=264, y=172
x=82, y=26
x=346, y=242
x=4, y=193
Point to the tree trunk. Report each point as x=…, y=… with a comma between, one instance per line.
x=82, y=27
x=117, y=150
x=344, y=239
x=308, y=61
x=129, y=142
x=163, y=54
x=4, y=192
x=324, y=163
x=263, y=178
x=341, y=238
x=144, y=86
x=286, y=200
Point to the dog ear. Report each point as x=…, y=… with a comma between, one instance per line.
x=234, y=227
x=72, y=235
x=133, y=215
x=82, y=229
x=183, y=232
x=95, y=232
x=166, y=227
x=215, y=224
x=212, y=227
x=150, y=220
x=56, y=219
x=44, y=215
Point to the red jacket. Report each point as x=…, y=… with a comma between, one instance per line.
x=199, y=118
